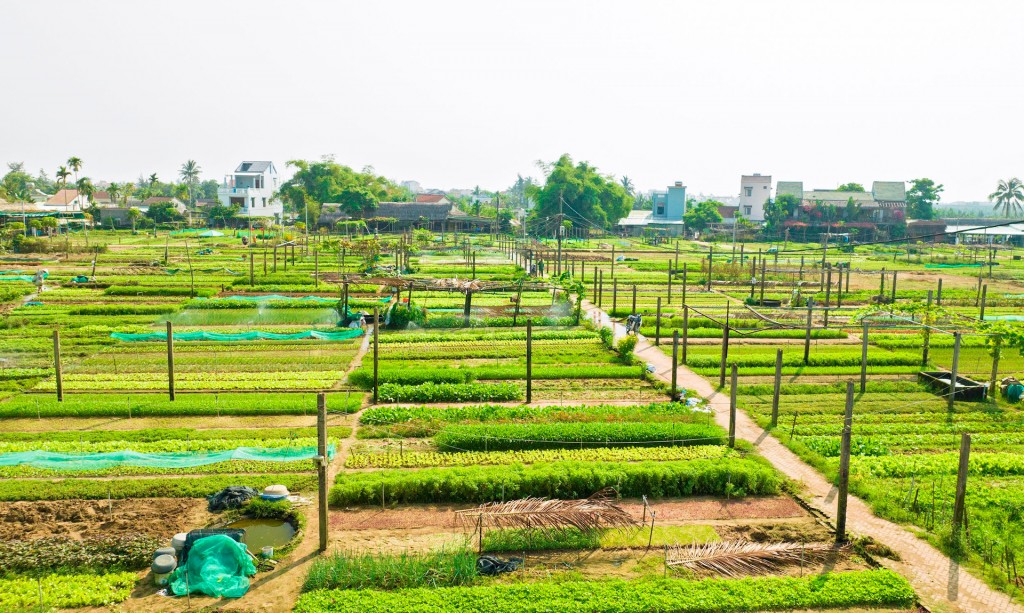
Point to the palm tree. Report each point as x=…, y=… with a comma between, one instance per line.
x=75, y=164
x=627, y=184
x=190, y=175
x=114, y=190
x=126, y=191
x=1009, y=196
x=134, y=214
x=62, y=182
x=153, y=180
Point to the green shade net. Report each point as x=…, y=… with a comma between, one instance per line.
x=50, y=460
x=953, y=265
x=217, y=566
x=203, y=335
x=274, y=298
x=1004, y=318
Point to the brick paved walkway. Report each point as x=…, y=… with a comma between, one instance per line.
x=940, y=583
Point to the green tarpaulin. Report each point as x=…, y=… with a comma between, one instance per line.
x=96, y=461
x=203, y=335
x=217, y=566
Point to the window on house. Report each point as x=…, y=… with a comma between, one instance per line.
x=264, y=203
x=746, y=210
x=748, y=191
x=661, y=209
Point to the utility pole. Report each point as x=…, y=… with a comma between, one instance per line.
x=559, y=230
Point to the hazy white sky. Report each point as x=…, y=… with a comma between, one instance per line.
x=455, y=94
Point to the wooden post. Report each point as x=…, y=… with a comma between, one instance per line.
x=777, y=388
x=376, y=371
x=801, y=268
x=761, y=296
x=927, y=332
x=613, y=261
x=657, y=324
x=675, y=362
x=828, y=286
x=684, y=285
x=170, y=360
x=600, y=289
x=466, y=308
x=252, y=264
x=732, y=408
x=529, y=361
x=56, y=365
x=953, y=373
x=725, y=355
x=686, y=330
x=275, y=258
x=321, y=469
x=992, y=387
x=961, y=483
x=864, y=358
x=807, y=336
x=984, y=298
x=264, y=261
x=615, y=295
x=839, y=288
x=938, y=294
x=316, y=268
x=894, y=285
x=881, y=286
x=634, y=299
x=844, y=467
x=670, y=282
x=711, y=266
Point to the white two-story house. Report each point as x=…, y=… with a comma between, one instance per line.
x=252, y=186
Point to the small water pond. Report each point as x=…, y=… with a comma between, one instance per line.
x=260, y=533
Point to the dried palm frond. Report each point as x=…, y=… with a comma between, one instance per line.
x=736, y=558
x=594, y=513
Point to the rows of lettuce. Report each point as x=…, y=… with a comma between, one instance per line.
x=905, y=449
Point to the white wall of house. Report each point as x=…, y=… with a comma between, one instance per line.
x=254, y=191
x=755, y=190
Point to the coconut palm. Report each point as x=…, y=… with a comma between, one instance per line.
x=134, y=214
x=153, y=180
x=75, y=164
x=114, y=190
x=1009, y=196
x=126, y=192
x=62, y=182
x=190, y=175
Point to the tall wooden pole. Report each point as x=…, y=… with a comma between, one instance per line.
x=926, y=331
x=675, y=362
x=953, y=375
x=984, y=298
x=725, y=355
x=529, y=361
x=844, y=466
x=807, y=336
x=732, y=408
x=316, y=268
x=777, y=388
x=376, y=372
x=634, y=299
x=864, y=358
x=686, y=330
x=657, y=324
x=321, y=469
x=170, y=360
x=961, y=483
x=56, y=365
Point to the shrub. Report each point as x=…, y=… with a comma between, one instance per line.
x=625, y=349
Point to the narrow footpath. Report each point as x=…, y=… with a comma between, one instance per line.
x=941, y=584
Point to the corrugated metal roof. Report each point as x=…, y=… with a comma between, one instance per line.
x=250, y=166
x=793, y=188
x=889, y=190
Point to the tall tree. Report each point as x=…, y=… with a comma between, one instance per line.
x=75, y=164
x=190, y=175
x=114, y=191
x=1009, y=196
x=627, y=184
x=580, y=194
x=315, y=183
x=777, y=211
x=922, y=197
x=850, y=187
x=699, y=217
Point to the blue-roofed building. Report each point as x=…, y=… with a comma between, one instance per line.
x=666, y=214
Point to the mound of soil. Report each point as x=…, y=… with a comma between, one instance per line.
x=159, y=517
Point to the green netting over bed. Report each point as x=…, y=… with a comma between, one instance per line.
x=953, y=265
x=1004, y=318
x=95, y=461
x=203, y=335
x=273, y=298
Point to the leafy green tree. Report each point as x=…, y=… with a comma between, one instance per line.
x=581, y=194
x=134, y=215
x=315, y=183
x=15, y=184
x=164, y=212
x=702, y=215
x=777, y=211
x=922, y=197
x=1009, y=196
x=850, y=187
x=223, y=213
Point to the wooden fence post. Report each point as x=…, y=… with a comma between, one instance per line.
x=684, y=285
x=321, y=469
x=59, y=375
x=864, y=357
x=777, y=388
x=725, y=355
x=529, y=361
x=615, y=295
x=938, y=294
x=634, y=299
x=316, y=268
x=376, y=371
x=732, y=408
x=844, y=467
x=252, y=264
x=761, y=295
x=686, y=330
x=953, y=375
x=807, y=336
x=961, y=483
x=893, y=298
x=828, y=286
x=657, y=324
x=927, y=332
x=170, y=360
x=984, y=298
x=675, y=362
